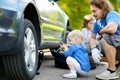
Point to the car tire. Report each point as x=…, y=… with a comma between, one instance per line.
x=23, y=66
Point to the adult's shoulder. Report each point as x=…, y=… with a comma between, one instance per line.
x=113, y=13
x=113, y=16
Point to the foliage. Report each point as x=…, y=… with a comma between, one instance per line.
x=77, y=9
x=116, y=4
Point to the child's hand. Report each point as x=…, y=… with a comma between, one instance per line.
x=63, y=46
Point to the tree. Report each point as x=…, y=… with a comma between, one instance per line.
x=77, y=9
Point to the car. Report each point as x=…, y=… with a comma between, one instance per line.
x=27, y=27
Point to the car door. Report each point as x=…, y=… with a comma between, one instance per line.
x=53, y=22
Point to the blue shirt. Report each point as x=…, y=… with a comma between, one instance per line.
x=111, y=16
x=78, y=52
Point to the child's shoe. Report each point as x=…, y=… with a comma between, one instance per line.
x=70, y=75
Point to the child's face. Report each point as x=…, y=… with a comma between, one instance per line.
x=90, y=24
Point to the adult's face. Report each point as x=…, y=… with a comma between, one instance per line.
x=96, y=12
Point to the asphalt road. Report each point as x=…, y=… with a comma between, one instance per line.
x=48, y=71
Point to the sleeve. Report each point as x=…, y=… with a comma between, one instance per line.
x=70, y=51
x=95, y=29
x=113, y=17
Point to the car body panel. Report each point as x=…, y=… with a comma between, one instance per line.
x=7, y=25
x=51, y=18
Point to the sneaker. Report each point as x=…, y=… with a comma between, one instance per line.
x=107, y=75
x=70, y=75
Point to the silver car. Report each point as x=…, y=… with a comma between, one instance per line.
x=25, y=27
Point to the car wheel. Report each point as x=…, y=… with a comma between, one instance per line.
x=24, y=65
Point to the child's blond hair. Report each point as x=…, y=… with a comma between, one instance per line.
x=77, y=36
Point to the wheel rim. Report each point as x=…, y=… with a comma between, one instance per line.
x=30, y=49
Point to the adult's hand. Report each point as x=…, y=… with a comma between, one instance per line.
x=96, y=55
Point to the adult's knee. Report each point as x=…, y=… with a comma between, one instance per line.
x=105, y=39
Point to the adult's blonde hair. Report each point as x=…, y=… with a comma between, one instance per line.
x=104, y=5
x=87, y=18
x=77, y=36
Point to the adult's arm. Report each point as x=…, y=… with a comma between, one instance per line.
x=110, y=28
x=95, y=52
x=92, y=41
